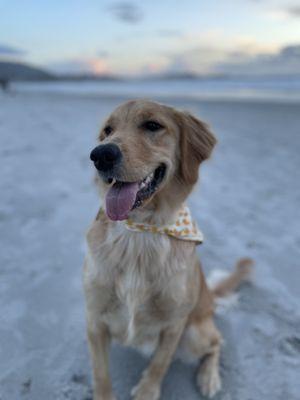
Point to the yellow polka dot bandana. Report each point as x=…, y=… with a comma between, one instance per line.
x=184, y=228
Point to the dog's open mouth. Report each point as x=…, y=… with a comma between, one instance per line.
x=123, y=197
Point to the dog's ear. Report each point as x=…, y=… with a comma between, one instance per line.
x=196, y=145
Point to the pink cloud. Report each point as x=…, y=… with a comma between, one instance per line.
x=91, y=65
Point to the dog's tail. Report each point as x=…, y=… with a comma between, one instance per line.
x=242, y=272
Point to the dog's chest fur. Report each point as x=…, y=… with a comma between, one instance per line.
x=137, y=283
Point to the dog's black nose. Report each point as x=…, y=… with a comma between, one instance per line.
x=106, y=156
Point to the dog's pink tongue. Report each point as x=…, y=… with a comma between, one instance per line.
x=120, y=200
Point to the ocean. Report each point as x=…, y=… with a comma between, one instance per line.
x=256, y=88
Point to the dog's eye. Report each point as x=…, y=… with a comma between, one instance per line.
x=107, y=130
x=152, y=126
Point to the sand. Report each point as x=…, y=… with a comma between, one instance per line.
x=247, y=204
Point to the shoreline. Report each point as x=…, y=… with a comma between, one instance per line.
x=164, y=99
x=78, y=90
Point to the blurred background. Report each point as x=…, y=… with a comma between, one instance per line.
x=241, y=48
x=64, y=66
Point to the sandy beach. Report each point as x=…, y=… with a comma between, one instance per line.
x=247, y=204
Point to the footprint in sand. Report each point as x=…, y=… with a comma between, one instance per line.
x=290, y=346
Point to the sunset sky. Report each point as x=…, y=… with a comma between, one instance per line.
x=157, y=36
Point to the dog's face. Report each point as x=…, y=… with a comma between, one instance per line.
x=145, y=148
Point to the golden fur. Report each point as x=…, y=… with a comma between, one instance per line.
x=145, y=290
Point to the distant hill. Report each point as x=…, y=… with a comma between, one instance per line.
x=13, y=71
x=88, y=77
x=185, y=75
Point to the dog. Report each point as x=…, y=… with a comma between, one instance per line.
x=143, y=282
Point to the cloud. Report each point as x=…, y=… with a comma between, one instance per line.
x=288, y=13
x=213, y=49
x=103, y=54
x=169, y=33
x=10, y=51
x=240, y=59
x=293, y=11
x=285, y=62
x=94, y=65
x=199, y=59
x=126, y=12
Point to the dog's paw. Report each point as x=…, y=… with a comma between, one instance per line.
x=112, y=397
x=209, y=382
x=145, y=390
x=104, y=396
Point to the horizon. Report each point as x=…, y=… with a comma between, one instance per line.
x=241, y=37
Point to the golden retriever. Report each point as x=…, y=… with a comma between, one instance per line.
x=146, y=289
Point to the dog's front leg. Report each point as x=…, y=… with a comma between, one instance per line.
x=149, y=386
x=99, y=340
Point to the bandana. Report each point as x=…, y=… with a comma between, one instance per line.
x=184, y=228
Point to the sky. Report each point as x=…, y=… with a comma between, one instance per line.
x=153, y=37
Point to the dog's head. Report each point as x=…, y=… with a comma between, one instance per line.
x=149, y=152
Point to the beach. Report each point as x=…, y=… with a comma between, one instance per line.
x=246, y=204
